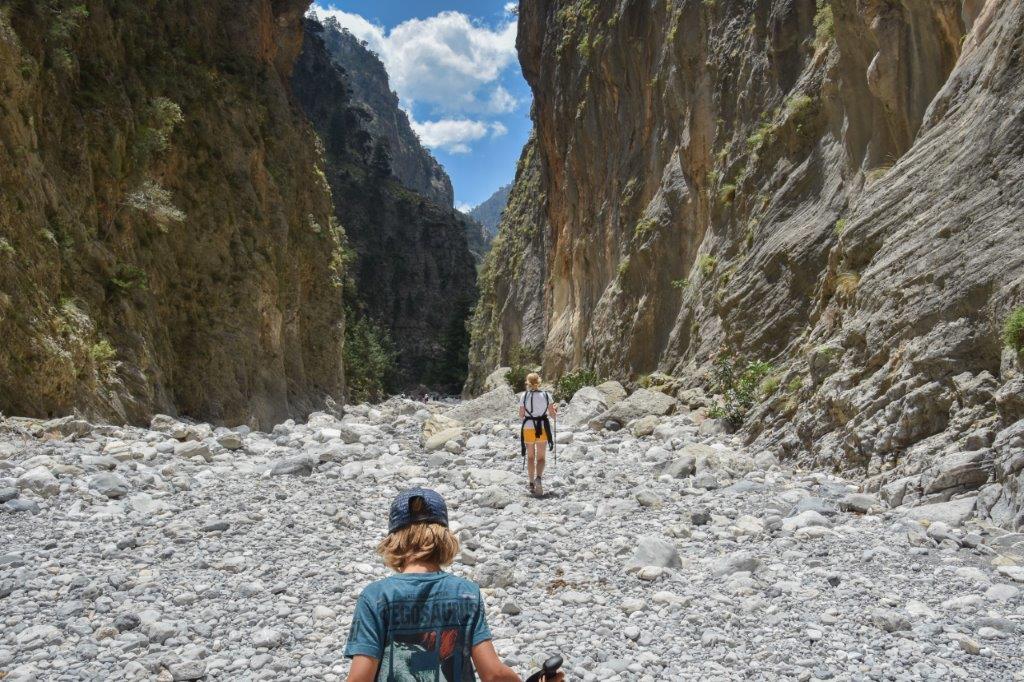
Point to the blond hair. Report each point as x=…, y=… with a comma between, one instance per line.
x=430, y=543
x=533, y=381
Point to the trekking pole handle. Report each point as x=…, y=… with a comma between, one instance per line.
x=550, y=668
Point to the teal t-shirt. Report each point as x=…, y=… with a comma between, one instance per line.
x=422, y=627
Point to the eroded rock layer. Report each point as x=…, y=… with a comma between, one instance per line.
x=830, y=186
x=165, y=237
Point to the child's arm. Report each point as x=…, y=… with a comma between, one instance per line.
x=522, y=412
x=489, y=667
x=364, y=669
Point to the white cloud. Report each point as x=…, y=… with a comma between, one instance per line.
x=512, y=7
x=464, y=207
x=447, y=67
x=451, y=135
x=501, y=101
x=447, y=62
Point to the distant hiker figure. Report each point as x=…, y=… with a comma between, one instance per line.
x=535, y=409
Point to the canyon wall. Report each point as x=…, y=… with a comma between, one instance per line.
x=412, y=267
x=833, y=187
x=166, y=237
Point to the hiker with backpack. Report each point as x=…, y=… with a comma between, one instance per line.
x=536, y=409
x=422, y=623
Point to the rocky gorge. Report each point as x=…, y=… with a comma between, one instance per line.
x=830, y=188
x=662, y=551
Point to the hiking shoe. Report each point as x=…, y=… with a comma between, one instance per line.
x=529, y=486
x=538, y=487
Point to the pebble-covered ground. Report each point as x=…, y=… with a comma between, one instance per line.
x=185, y=553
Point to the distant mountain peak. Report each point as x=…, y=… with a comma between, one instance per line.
x=488, y=213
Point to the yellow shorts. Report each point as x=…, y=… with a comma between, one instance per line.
x=530, y=435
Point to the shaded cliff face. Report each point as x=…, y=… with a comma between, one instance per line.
x=832, y=186
x=367, y=78
x=167, y=242
x=413, y=271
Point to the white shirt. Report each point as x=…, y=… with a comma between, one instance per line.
x=534, y=402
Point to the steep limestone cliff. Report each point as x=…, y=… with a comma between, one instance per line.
x=831, y=186
x=411, y=164
x=166, y=241
x=413, y=271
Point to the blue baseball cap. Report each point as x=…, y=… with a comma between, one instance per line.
x=401, y=515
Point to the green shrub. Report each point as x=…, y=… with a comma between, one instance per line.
x=727, y=194
x=623, y=267
x=761, y=136
x=369, y=358
x=569, y=383
x=740, y=385
x=521, y=362
x=151, y=199
x=644, y=227
x=795, y=384
x=800, y=111
x=824, y=24
x=5, y=247
x=62, y=59
x=769, y=386
x=840, y=227
x=103, y=355
x=128, y=277
x=1013, y=330
x=66, y=21
x=707, y=264
x=680, y=283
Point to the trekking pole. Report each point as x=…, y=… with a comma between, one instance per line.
x=554, y=440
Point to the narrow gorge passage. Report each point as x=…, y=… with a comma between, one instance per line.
x=267, y=266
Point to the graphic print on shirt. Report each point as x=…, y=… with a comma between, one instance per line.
x=428, y=641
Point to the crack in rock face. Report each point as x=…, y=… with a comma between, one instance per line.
x=241, y=556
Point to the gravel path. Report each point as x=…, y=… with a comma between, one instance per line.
x=185, y=553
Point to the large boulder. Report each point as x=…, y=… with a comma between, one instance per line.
x=110, y=485
x=496, y=404
x=40, y=481
x=641, y=404
x=718, y=460
x=295, y=465
x=586, y=404
x=654, y=551
x=953, y=513
x=496, y=379
x=966, y=470
x=438, y=440
x=192, y=448
x=438, y=423
x=613, y=392
x=682, y=466
x=169, y=425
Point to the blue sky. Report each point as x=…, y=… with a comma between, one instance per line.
x=454, y=67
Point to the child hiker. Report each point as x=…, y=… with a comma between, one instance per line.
x=535, y=408
x=422, y=623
